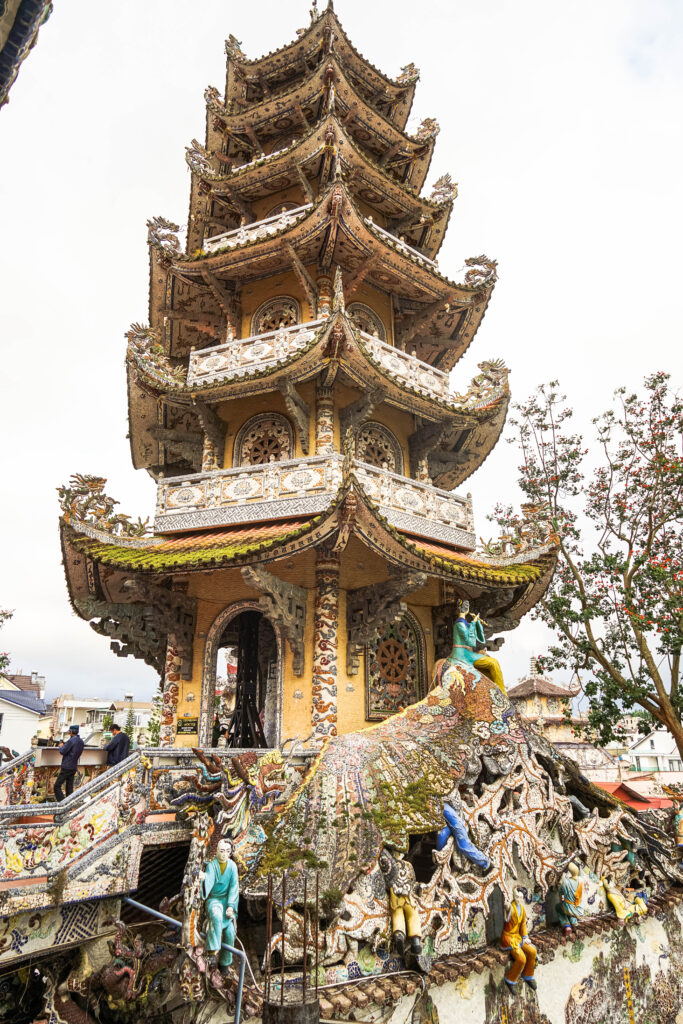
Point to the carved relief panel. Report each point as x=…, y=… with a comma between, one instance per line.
x=282, y=311
x=263, y=439
x=377, y=445
x=394, y=668
x=365, y=319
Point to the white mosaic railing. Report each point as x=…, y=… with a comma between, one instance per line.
x=409, y=369
x=242, y=356
x=403, y=496
x=400, y=244
x=259, y=229
x=283, y=490
x=236, y=495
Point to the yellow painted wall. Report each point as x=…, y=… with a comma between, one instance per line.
x=256, y=292
x=264, y=207
x=216, y=591
x=380, y=302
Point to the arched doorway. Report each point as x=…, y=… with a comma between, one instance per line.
x=242, y=683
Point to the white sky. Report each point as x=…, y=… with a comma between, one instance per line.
x=561, y=122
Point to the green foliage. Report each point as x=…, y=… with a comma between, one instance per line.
x=107, y=722
x=330, y=901
x=616, y=601
x=5, y=616
x=154, y=727
x=130, y=722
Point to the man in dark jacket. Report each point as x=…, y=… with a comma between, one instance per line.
x=118, y=747
x=71, y=752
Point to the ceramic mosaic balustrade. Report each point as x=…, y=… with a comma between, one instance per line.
x=304, y=486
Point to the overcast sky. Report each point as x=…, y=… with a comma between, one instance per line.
x=560, y=121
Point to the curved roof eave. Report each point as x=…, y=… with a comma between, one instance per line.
x=314, y=34
x=307, y=90
x=307, y=148
x=432, y=278
x=305, y=364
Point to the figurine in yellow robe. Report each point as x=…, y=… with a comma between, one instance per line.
x=399, y=879
x=622, y=907
x=515, y=939
x=678, y=829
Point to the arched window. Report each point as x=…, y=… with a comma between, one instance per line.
x=242, y=678
x=281, y=208
x=377, y=446
x=365, y=319
x=263, y=439
x=394, y=668
x=282, y=311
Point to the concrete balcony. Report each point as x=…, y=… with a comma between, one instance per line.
x=303, y=487
x=243, y=356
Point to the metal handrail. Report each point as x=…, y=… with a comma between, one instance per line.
x=60, y=809
x=224, y=945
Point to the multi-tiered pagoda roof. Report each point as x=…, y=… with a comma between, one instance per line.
x=304, y=300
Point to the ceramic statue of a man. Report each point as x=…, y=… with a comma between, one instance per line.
x=516, y=940
x=571, y=890
x=469, y=645
x=678, y=830
x=399, y=879
x=221, y=893
x=456, y=827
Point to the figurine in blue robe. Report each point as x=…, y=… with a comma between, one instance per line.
x=457, y=828
x=221, y=892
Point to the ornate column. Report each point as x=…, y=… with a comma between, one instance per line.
x=324, y=420
x=325, y=643
x=324, y=286
x=171, y=693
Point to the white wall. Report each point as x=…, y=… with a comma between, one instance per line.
x=18, y=726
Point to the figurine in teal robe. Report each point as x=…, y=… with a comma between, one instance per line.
x=571, y=891
x=221, y=892
x=468, y=635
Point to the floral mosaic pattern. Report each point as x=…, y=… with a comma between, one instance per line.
x=325, y=631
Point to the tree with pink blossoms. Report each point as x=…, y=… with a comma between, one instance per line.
x=615, y=603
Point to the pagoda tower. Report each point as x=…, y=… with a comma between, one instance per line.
x=291, y=399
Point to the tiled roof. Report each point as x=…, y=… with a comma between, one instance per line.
x=18, y=37
x=22, y=682
x=23, y=700
x=539, y=685
x=475, y=568
x=193, y=550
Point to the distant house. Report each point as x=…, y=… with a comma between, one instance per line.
x=542, y=703
x=656, y=752
x=635, y=798
x=33, y=683
x=20, y=714
x=89, y=714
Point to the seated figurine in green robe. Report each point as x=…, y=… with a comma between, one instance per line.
x=221, y=892
x=469, y=646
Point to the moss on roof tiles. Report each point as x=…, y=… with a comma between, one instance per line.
x=212, y=555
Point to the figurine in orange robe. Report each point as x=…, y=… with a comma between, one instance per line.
x=516, y=940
